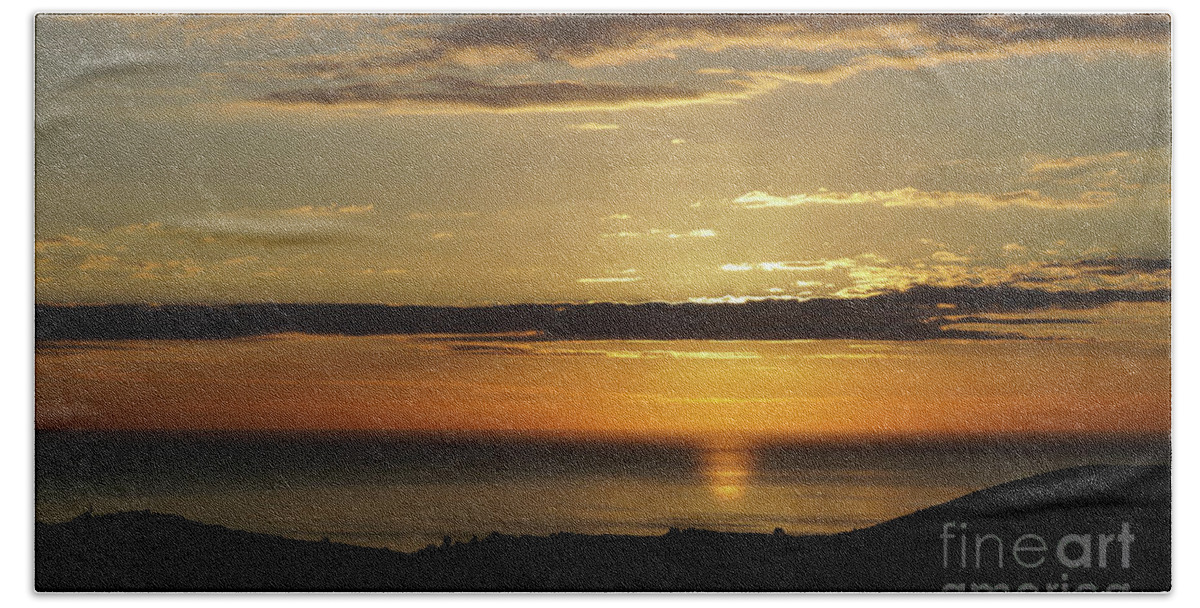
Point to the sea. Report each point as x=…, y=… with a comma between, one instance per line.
x=408, y=490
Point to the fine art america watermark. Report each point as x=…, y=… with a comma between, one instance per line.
x=966, y=551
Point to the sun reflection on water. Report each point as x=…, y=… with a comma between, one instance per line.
x=727, y=471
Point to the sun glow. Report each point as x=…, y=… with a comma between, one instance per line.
x=727, y=471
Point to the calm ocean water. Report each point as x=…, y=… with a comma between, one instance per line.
x=404, y=491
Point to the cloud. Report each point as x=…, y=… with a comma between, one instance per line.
x=280, y=229
x=798, y=266
x=588, y=40
x=167, y=270
x=219, y=244
x=509, y=63
x=1063, y=183
x=912, y=197
x=698, y=233
x=491, y=349
x=1073, y=162
x=1142, y=174
x=869, y=275
x=451, y=92
x=139, y=267
x=67, y=241
x=95, y=262
x=437, y=63
x=594, y=126
x=546, y=94
x=599, y=40
x=442, y=215
x=920, y=313
x=732, y=299
x=1119, y=266
x=609, y=280
x=329, y=210
x=302, y=225
x=296, y=226
x=1076, y=276
x=949, y=257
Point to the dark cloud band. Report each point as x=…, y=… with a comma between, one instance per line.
x=475, y=94
x=437, y=51
x=919, y=313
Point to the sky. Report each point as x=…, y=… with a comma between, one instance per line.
x=1010, y=174
x=476, y=160
x=1109, y=372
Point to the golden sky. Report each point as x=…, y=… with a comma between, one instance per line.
x=1109, y=376
x=481, y=159
x=474, y=160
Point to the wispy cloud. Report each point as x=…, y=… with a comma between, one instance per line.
x=595, y=40
x=663, y=233
x=869, y=274
x=100, y=262
x=418, y=65
x=1077, y=276
x=912, y=197
x=449, y=93
x=609, y=280
x=270, y=230
x=1074, y=162
x=1141, y=173
x=595, y=126
x=799, y=266
x=1116, y=266
x=949, y=257
x=328, y=210
x=217, y=247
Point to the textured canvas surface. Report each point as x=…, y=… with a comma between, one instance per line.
x=804, y=302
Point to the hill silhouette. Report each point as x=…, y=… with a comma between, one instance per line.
x=155, y=552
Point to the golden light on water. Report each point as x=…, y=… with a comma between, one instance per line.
x=726, y=471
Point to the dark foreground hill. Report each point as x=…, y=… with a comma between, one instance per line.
x=1102, y=527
